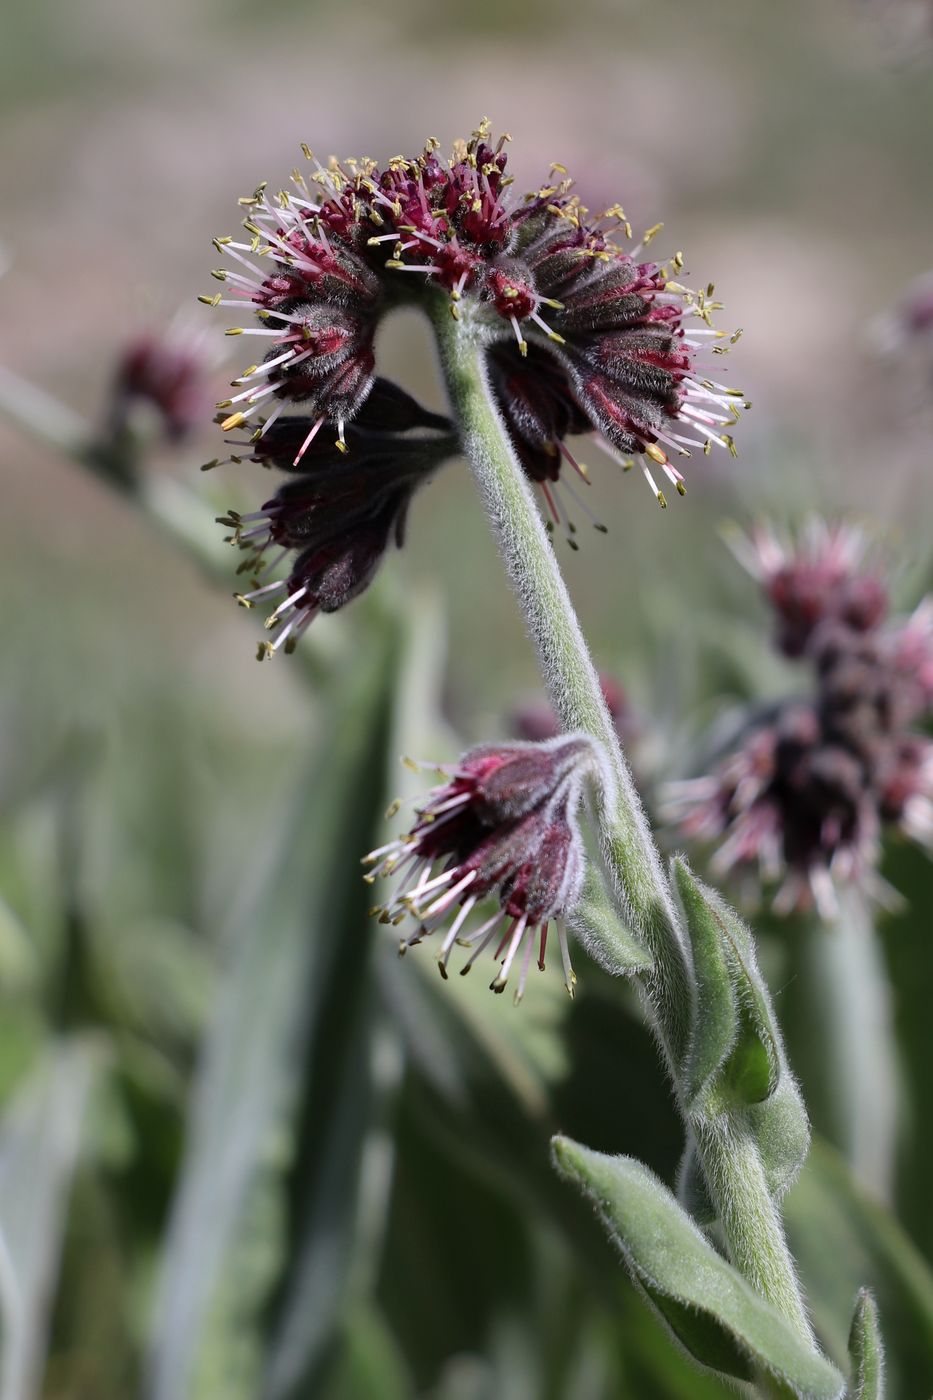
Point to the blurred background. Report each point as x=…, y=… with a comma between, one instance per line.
x=244, y=1151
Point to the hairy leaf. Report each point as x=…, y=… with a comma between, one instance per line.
x=710, y=1308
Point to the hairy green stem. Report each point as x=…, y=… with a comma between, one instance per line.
x=751, y=1220
x=731, y=1161
x=629, y=853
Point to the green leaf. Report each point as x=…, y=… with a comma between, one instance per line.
x=40, y=1142
x=866, y=1351
x=602, y=933
x=844, y=1240
x=283, y=939
x=716, y=1022
x=753, y=1074
x=709, y=1307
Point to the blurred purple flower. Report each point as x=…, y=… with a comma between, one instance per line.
x=806, y=792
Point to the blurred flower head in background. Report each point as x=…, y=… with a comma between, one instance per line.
x=504, y=824
x=806, y=792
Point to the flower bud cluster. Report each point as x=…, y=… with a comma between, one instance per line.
x=809, y=789
x=502, y=825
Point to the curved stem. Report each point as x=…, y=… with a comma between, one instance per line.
x=732, y=1165
x=573, y=684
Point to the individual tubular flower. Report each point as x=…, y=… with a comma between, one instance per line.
x=337, y=514
x=807, y=791
x=502, y=825
x=318, y=303
x=618, y=330
x=536, y=400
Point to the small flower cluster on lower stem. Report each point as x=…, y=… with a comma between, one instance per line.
x=502, y=825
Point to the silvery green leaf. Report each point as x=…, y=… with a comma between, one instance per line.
x=716, y=1019
x=866, y=1351
x=754, y=1073
x=708, y=1306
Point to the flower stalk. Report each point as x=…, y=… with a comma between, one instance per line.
x=643, y=897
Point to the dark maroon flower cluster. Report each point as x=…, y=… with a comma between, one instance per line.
x=808, y=790
x=336, y=514
x=582, y=335
x=504, y=825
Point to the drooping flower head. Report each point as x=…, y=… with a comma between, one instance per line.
x=336, y=515
x=503, y=826
x=806, y=791
x=323, y=261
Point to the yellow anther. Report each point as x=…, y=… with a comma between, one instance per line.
x=653, y=451
x=234, y=330
x=210, y=301
x=234, y=421
x=220, y=273
x=651, y=233
x=523, y=348
x=681, y=489
x=662, y=500
x=559, y=339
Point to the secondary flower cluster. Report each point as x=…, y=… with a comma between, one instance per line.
x=807, y=791
x=582, y=334
x=502, y=825
x=335, y=516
